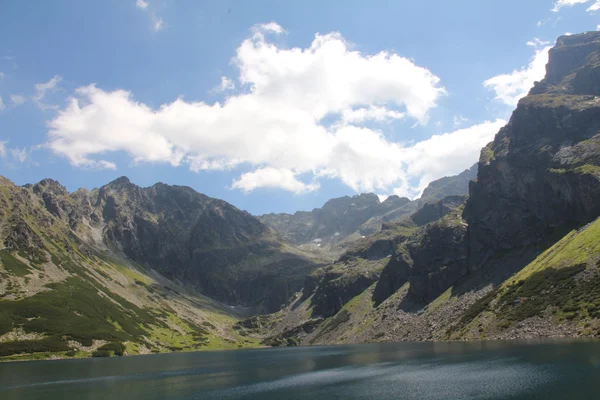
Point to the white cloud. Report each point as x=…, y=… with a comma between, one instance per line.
x=19, y=155
x=371, y=113
x=276, y=126
x=509, y=88
x=225, y=85
x=271, y=27
x=445, y=155
x=15, y=155
x=41, y=89
x=141, y=4
x=594, y=7
x=270, y=177
x=157, y=23
x=17, y=99
x=383, y=197
x=536, y=42
x=1, y=75
x=459, y=120
x=567, y=3
x=2, y=106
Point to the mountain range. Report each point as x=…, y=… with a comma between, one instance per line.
x=507, y=249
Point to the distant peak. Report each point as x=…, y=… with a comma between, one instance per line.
x=51, y=185
x=123, y=180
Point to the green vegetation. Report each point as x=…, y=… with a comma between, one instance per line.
x=555, y=288
x=13, y=265
x=76, y=310
x=549, y=283
x=332, y=323
x=51, y=344
x=115, y=348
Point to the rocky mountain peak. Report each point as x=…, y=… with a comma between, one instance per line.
x=573, y=66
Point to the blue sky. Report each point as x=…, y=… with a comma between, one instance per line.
x=273, y=106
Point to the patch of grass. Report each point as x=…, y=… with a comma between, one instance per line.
x=588, y=169
x=13, y=264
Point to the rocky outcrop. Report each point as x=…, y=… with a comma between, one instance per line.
x=431, y=260
x=537, y=180
x=223, y=252
x=347, y=218
x=337, y=219
x=456, y=185
x=540, y=176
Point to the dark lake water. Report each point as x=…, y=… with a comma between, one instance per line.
x=481, y=370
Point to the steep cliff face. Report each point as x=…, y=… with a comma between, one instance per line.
x=540, y=175
x=537, y=180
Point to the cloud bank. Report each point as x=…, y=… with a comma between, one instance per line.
x=298, y=116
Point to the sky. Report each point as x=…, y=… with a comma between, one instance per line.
x=272, y=106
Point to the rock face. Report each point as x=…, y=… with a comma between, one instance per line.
x=336, y=220
x=206, y=243
x=537, y=180
x=223, y=252
x=64, y=292
x=540, y=175
x=448, y=186
x=432, y=258
x=345, y=219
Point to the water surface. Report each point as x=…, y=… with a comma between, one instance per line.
x=481, y=370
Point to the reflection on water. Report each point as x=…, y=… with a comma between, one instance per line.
x=476, y=370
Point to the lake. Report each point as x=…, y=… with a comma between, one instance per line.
x=477, y=370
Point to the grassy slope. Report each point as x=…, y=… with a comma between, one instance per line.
x=556, y=294
x=562, y=285
x=67, y=298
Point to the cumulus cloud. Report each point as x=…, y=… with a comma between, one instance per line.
x=2, y=149
x=569, y=3
x=594, y=7
x=270, y=27
x=42, y=89
x=566, y=3
x=509, y=88
x=371, y=113
x=270, y=177
x=2, y=106
x=298, y=117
